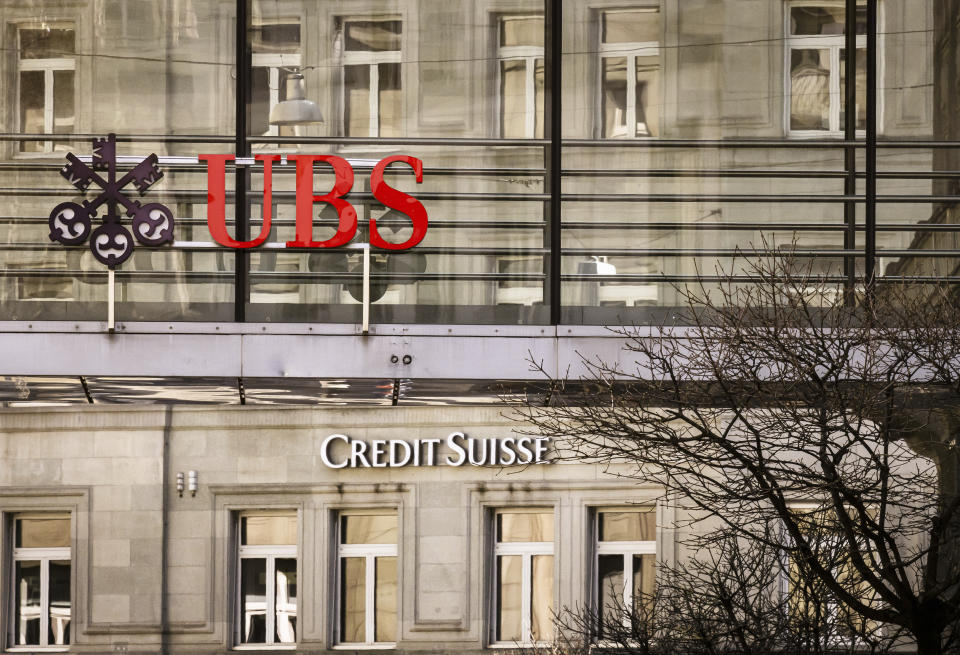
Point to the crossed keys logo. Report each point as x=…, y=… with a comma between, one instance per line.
x=111, y=243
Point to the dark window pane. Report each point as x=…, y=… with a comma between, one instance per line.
x=509, y=597
x=391, y=100
x=373, y=36
x=26, y=620
x=59, y=629
x=31, y=108
x=63, y=103
x=253, y=601
x=46, y=44
x=610, y=589
x=285, y=631
x=861, y=82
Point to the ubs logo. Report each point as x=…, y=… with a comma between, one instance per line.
x=111, y=243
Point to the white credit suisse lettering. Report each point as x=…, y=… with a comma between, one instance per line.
x=463, y=450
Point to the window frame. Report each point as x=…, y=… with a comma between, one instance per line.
x=44, y=556
x=630, y=51
x=834, y=43
x=48, y=66
x=270, y=554
x=526, y=550
x=370, y=553
x=275, y=63
x=529, y=54
x=628, y=549
x=371, y=59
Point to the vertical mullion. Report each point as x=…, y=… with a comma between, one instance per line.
x=526, y=592
x=370, y=589
x=374, y=120
x=871, y=152
x=850, y=152
x=44, y=601
x=553, y=130
x=270, y=606
x=244, y=62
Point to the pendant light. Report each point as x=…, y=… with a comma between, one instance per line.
x=296, y=109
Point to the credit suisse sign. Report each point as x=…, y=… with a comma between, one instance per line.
x=152, y=223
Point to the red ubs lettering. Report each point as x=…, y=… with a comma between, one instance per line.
x=346, y=213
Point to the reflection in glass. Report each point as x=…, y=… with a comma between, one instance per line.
x=59, y=628
x=253, y=600
x=824, y=20
x=644, y=583
x=385, y=603
x=31, y=107
x=610, y=587
x=509, y=597
x=356, y=85
x=368, y=529
x=809, y=89
x=541, y=603
x=521, y=77
x=861, y=81
x=524, y=527
x=285, y=631
x=258, y=530
x=614, y=97
x=27, y=603
x=627, y=526
x=352, y=599
x=42, y=532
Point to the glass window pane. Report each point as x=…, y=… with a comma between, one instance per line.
x=63, y=103
x=26, y=622
x=259, y=108
x=824, y=20
x=268, y=530
x=40, y=532
x=810, y=89
x=513, y=99
x=59, y=628
x=31, y=108
x=610, y=588
x=648, y=96
x=253, y=601
x=391, y=100
x=521, y=30
x=644, y=583
x=353, y=600
x=541, y=604
x=524, y=527
x=614, y=97
x=373, y=36
x=631, y=26
x=286, y=601
x=509, y=597
x=356, y=92
x=283, y=38
x=627, y=526
x=368, y=529
x=538, y=94
x=46, y=43
x=385, y=609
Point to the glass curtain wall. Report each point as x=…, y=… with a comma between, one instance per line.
x=688, y=133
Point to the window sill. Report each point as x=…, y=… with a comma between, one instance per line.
x=38, y=649
x=265, y=647
x=358, y=646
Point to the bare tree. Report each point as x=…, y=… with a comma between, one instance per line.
x=812, y=430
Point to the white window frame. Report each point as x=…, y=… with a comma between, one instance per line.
x=47, y=66
x=834, y=43
x=370, y=59
x=631, y=51
x=529, y=55
x=271, y=554
x=625, y=548
x=526, y=550
x=44, y=556
x=369, y=553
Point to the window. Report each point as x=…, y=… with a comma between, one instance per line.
x=626, y=560
x=817, y=71
x=520, y=56
x=276, y=53
x=128, y=21
x=367, y=574
x=630, y=73
x=45, y=83
x=372, y=99
x=523, y=555
x=41, y=581
x=267, y=593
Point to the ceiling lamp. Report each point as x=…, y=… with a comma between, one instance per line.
x=296, y=109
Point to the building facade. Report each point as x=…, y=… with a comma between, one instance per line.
x=210, y=448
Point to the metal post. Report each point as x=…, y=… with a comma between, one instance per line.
x=365, y=327
x=111, y=298
x=871, y=152
x=244, y=63
x=850, y=152
x=553, y=53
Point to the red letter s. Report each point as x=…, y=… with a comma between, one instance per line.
x=400, y=201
